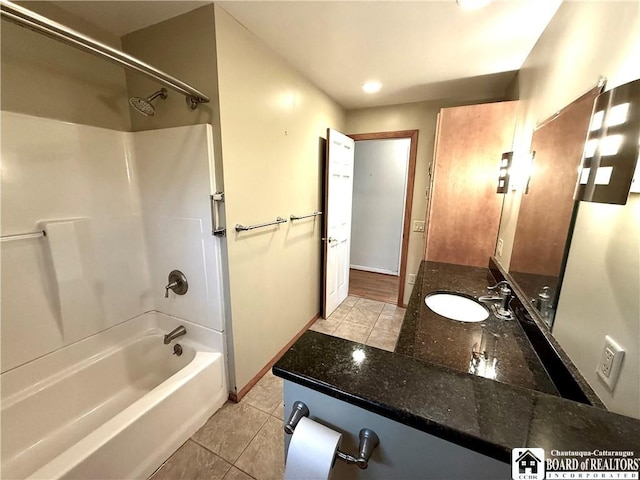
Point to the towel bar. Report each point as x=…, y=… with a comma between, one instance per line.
x=21, y=236
x=300, y=217
x=244, y=228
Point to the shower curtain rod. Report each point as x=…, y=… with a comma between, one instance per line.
x=33, y=21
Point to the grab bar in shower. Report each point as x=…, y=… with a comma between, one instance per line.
x=216, y=229
x=22, y=236
x=244, y=228
x=300, y=217
x=38, y=23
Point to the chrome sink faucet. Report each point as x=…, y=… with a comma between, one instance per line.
x=175, y=333
x=504, y=296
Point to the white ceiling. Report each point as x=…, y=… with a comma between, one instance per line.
x=418, y=50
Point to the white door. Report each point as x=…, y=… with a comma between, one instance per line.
x=337, y=208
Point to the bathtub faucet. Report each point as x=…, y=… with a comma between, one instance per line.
x=175, y=333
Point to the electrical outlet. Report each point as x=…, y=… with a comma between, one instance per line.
x=418, y=225
x=412, y=279
x=606, y=362
x=610, y=362
x=500, y=245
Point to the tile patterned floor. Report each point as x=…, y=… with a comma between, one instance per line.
x=244, y=441
x=241, y=441
x=365, y=321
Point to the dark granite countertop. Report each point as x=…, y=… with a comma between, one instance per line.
x=426, y=383
x=477, y=413
x=425, y=335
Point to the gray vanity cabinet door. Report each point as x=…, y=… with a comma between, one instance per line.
x=403, y=452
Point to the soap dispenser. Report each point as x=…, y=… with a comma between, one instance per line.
x=544, y=304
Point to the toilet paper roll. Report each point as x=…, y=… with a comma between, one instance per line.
x=311, y=452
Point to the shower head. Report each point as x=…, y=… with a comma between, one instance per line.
x=144, y=105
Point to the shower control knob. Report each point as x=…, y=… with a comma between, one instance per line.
x=177, y=283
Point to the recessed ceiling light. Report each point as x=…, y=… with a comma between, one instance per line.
x=371, y=87
x=472, y=4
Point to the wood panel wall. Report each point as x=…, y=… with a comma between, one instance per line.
x=464, y=213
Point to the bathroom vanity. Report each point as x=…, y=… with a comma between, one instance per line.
x=442, y=407
x=493, y=348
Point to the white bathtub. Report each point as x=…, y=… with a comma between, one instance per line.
x=112, y=406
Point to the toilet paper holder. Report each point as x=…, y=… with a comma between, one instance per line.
x=368, y=438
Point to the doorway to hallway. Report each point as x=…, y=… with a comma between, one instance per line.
x=383, y=179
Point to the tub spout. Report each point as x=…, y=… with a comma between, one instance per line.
x=175, y=333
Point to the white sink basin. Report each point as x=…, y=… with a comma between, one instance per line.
x=456, y=307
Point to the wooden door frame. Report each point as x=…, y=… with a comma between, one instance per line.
x=412, y=135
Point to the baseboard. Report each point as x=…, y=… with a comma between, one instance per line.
x=237, y=396
x=374, y=270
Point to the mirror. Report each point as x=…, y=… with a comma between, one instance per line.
x=547, y=208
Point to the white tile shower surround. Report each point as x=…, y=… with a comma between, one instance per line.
x=80, y=174
x=127, y=222
x=175, y=176
x=245, y=441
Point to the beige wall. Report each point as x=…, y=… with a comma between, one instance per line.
x=601, y=289
x=272, y=122
x=185, y=48
x=46, y=78
x=420, y=116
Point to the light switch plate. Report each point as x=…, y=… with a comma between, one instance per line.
x=500, y=245
x=610, y=362
x=418, y=225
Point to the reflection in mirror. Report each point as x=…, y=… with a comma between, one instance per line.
x=547, y=208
